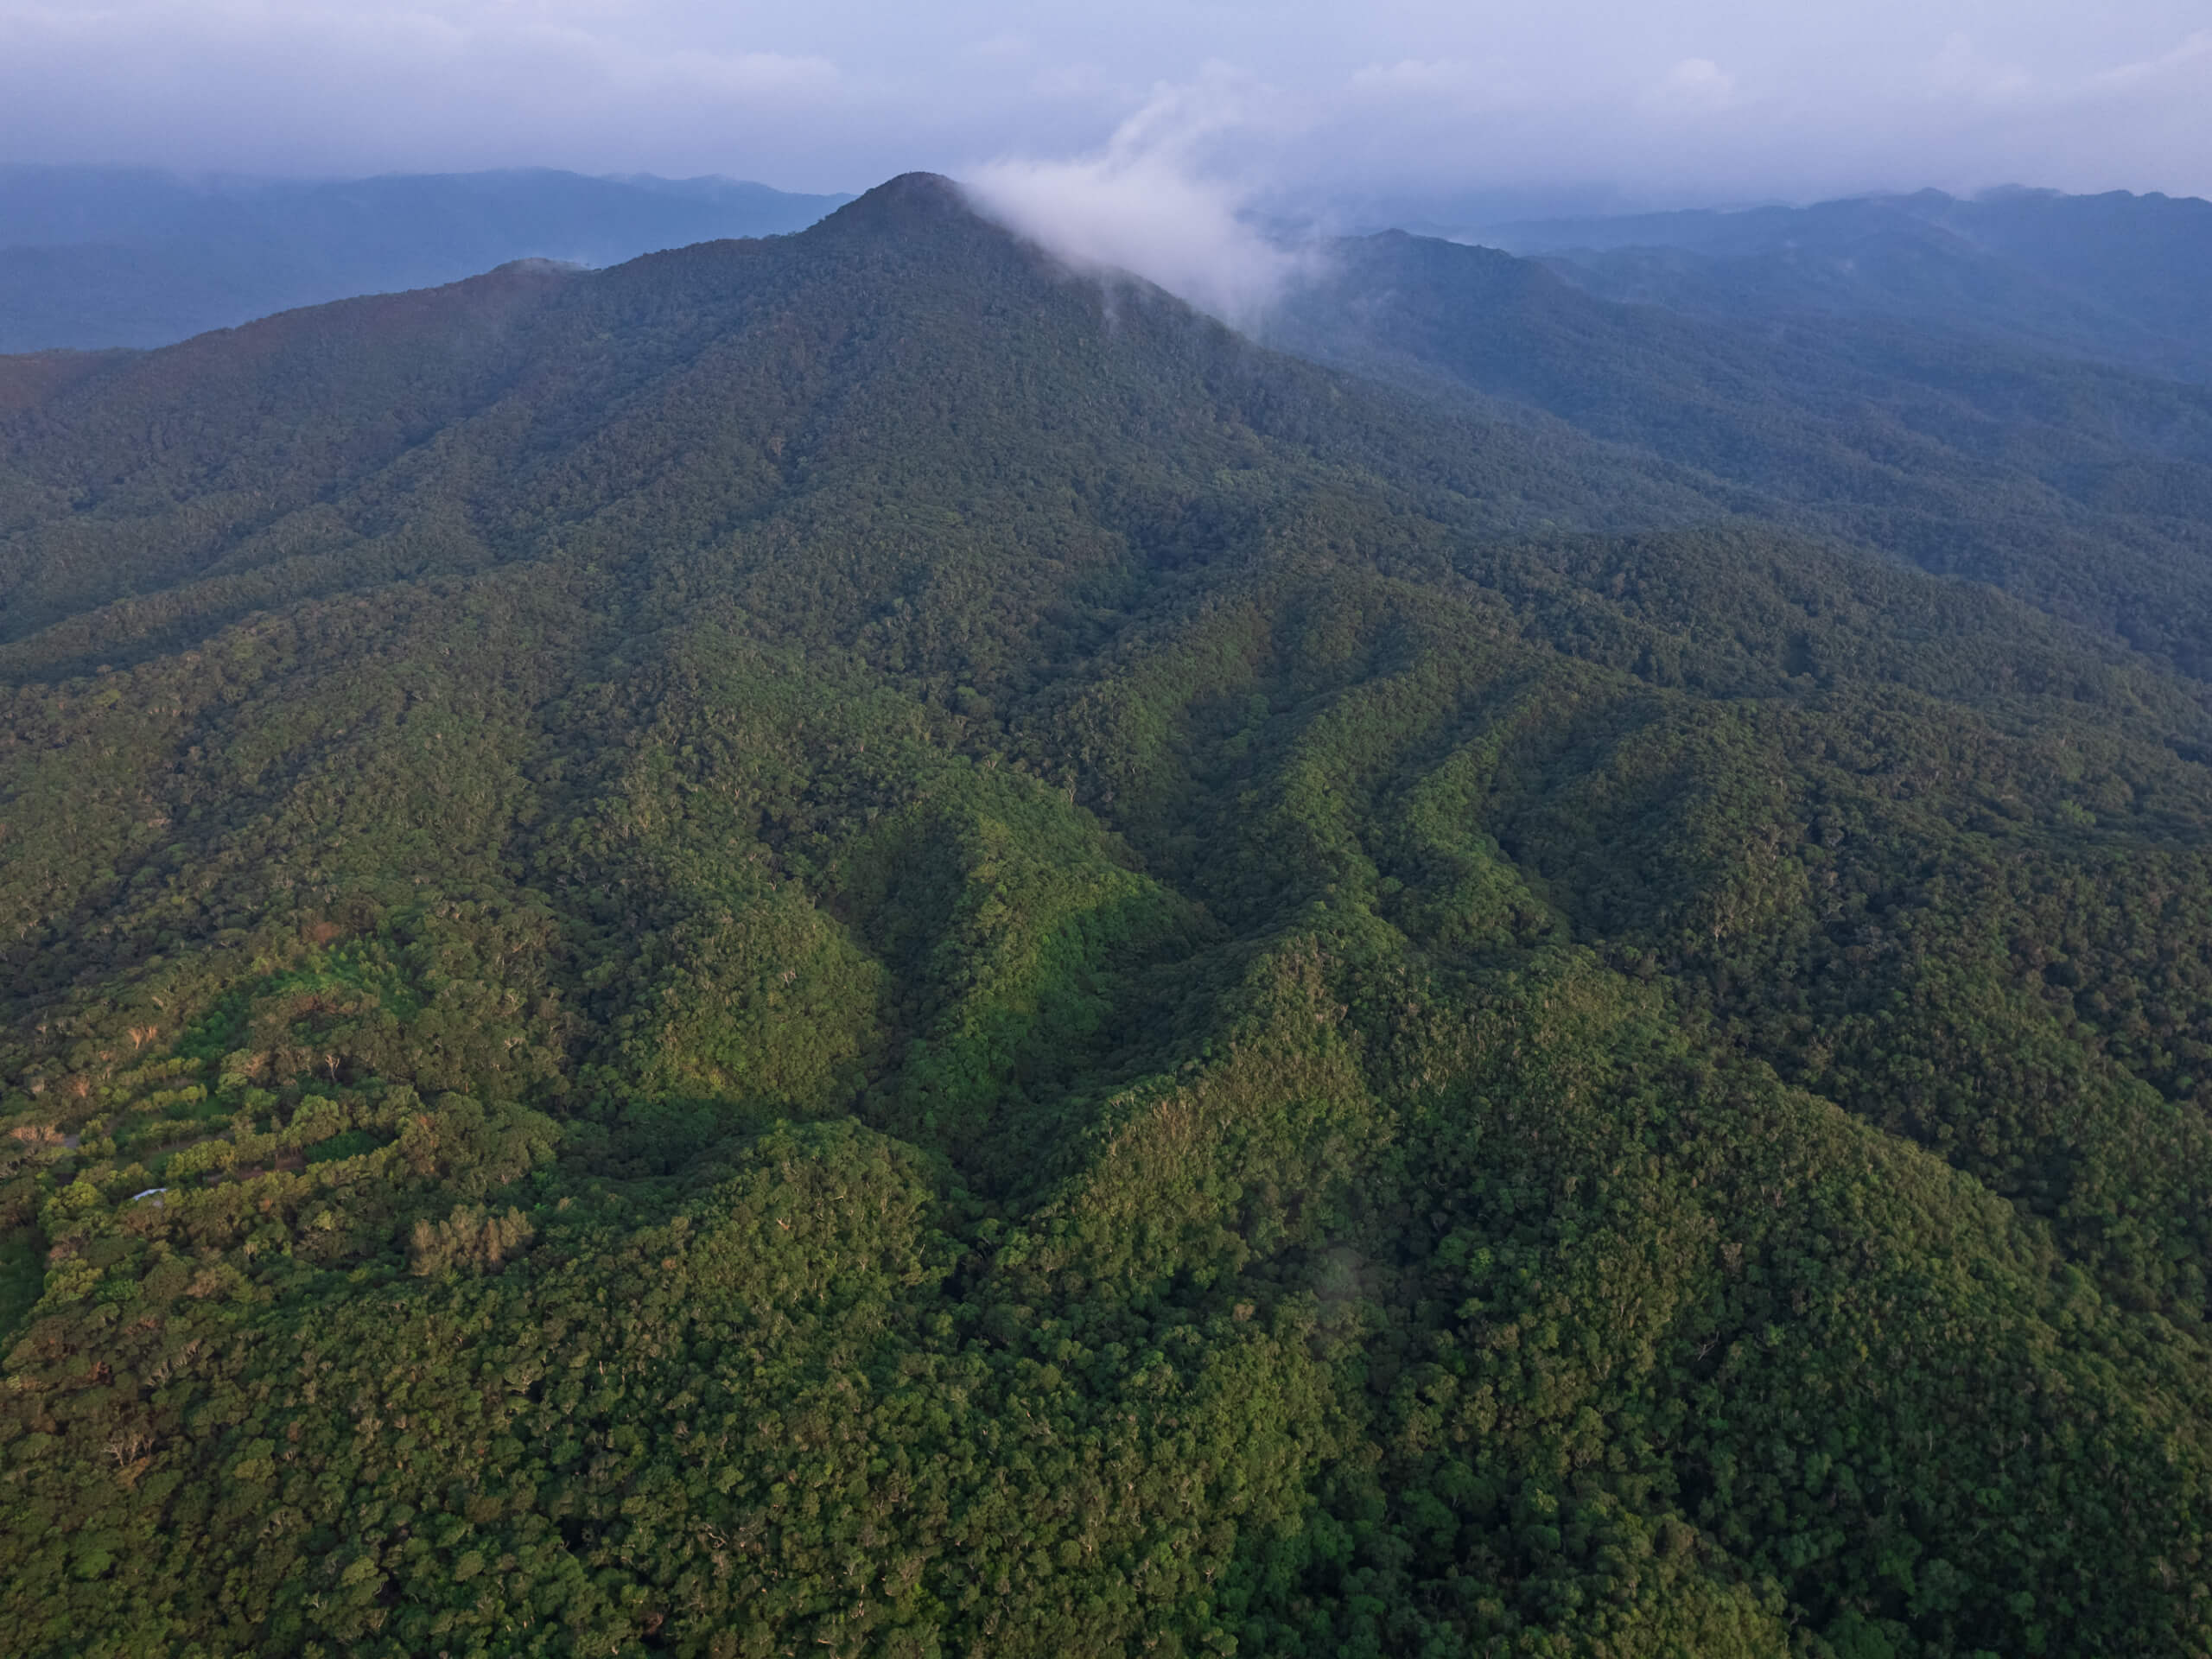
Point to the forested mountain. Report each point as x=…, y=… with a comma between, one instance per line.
x=103, y=257
x=837, y=942
x=2085, y=489
x=2117, y=277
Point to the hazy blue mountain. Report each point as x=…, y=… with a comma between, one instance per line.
x=103, y=256
x=2115, y=277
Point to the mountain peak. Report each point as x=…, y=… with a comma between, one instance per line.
x=907, y=202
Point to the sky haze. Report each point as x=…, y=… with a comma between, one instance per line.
x=1705, y=101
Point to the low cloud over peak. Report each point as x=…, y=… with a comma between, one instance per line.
x=1149, y=204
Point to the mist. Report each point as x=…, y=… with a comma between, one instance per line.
x=1146, y=203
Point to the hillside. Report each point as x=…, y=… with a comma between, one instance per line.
x=2084, y=489
x=837, y=942
x=94, y=258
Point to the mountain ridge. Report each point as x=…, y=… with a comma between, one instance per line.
x=1976, y=457
x=2104, y=277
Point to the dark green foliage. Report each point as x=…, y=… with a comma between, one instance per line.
x=849, y=948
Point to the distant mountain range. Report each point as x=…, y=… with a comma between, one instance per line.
x=2082, y=485
x=93, y=257
x=2118, y=277
x=103, y=256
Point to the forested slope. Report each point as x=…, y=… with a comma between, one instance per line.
x=840, y=944
x=2085, y=489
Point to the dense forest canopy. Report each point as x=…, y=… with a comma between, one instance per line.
x=838, y=944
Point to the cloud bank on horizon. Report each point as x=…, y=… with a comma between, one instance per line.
x=1701, y=100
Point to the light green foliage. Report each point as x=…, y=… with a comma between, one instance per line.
x=829, y=947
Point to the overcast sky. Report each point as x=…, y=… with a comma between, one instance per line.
x=1692, y=100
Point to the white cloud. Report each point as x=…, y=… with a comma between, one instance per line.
x=1002, y=47
x=2195, y=52
x=739, y=74
x=334, y=86
x=1960, y=71
x=1146, y=204
x=1694, y=86
x=1421, y=76
x=1065, y=84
